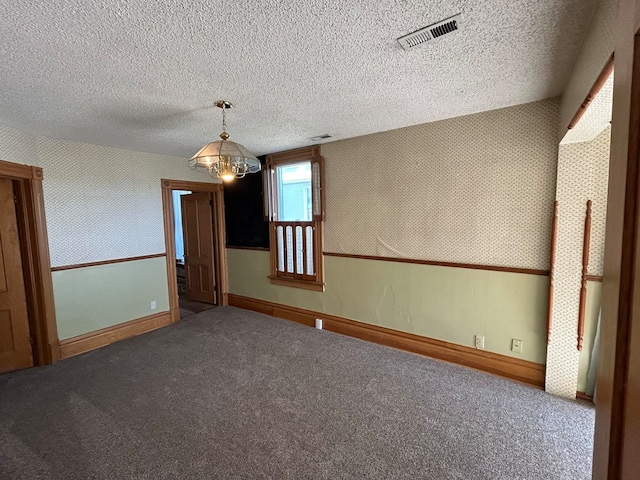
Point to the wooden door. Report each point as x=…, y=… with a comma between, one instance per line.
x=617, y=431
x=197, y=227
x=15, y=337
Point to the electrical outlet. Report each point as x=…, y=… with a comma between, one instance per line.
x=516, y=345
x=152, y=304
x=479, y=342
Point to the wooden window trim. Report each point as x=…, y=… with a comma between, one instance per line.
x=292, y=282
x=316, y=283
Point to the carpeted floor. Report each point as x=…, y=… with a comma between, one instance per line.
x=229, y=393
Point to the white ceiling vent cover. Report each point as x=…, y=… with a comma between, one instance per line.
x=324, y=136
x=431, y=32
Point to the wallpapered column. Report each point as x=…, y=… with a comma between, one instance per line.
x=583, y=172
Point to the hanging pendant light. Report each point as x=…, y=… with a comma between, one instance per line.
x=224, y=159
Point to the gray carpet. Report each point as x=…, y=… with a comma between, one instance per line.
x=234, y=394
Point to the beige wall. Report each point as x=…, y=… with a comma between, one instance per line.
x=474, y=189
x=582, y=175
x=587, y=178
x=101, y=203
x=597, y=48
x=450, y=304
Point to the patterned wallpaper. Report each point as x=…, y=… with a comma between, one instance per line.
x=583, y=173
x=17, y=146
x=101, y=202
x=596, y=50
x=474, y=189
x=596, y=118
x=598, y=151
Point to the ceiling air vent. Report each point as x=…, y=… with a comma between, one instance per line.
x=431, y=32
x=321, y=137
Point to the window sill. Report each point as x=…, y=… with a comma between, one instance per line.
x=290, y=282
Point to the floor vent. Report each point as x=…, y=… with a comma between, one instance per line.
x=431, y=32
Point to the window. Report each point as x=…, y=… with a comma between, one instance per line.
x=293, y=206
x=293, y=192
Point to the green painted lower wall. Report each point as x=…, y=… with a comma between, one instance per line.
x=92, y=298
x=450, y=304
x=594, y=295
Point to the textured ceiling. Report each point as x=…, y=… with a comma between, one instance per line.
x=595, y=119
x=143, y=74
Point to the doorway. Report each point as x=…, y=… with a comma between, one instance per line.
x=179, y=239
x=194, y=232
x=28, y=334
x=195, y=253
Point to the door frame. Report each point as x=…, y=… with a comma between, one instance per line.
x=219, y=239
x=617, y=423
x=36, y=262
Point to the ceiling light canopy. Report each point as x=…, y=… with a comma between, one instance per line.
x=224, y=159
